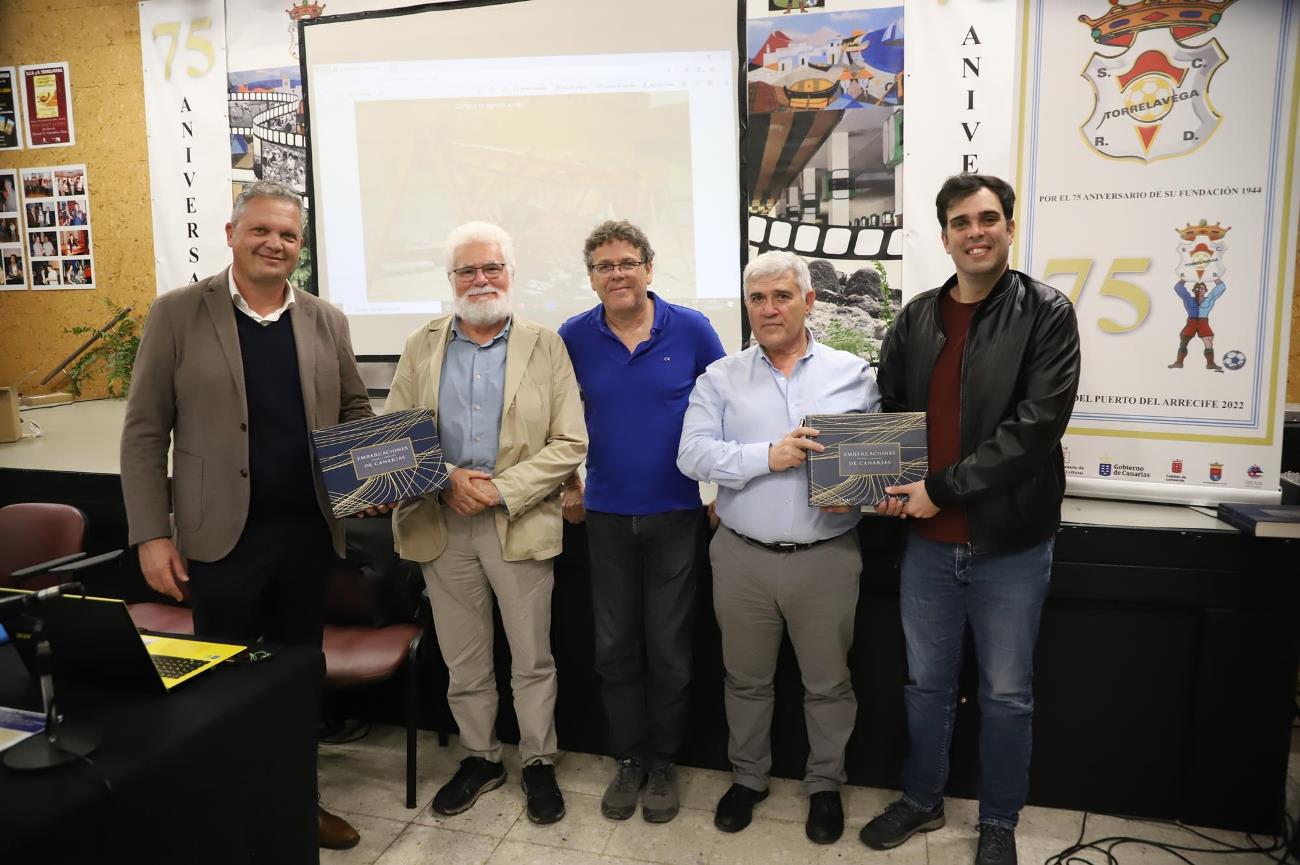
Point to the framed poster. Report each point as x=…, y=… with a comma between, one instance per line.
x=47, y=105
x=10, y=121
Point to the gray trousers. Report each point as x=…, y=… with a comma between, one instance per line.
x=814, y=594
x=462, y=582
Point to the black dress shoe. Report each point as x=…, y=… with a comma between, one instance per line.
x=736, y=808
x=475, y=777
x=825, y=817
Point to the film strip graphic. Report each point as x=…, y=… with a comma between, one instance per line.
x=270, y=119
x=836, y=242
x=280, y=105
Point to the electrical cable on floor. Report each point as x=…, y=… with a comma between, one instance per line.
x=1105, y=847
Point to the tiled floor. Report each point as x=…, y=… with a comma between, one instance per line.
x=365, y=782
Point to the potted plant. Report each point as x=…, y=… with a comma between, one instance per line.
x=113, y=354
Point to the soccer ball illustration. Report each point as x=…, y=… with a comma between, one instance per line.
x=1233, y=360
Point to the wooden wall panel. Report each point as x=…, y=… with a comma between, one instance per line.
x=101, y=43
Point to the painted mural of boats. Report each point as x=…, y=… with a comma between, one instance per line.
x=812, y=94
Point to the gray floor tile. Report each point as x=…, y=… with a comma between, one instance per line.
x=518, y=853
x=583, y=828
x=373, y=783
x=420, y=845
x=693, y=840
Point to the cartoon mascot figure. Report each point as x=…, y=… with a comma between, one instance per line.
x=1200, y=285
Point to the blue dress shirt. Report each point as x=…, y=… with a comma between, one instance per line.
x=740, y=407
x=634, y=403
x=471, y=394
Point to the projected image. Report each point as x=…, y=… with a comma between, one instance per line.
x=637, y=160
x=541, y=117
x=825, y=141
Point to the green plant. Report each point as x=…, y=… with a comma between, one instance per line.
x=850, y=339
x=301, y=276
x=887, y=300
x=113, y=353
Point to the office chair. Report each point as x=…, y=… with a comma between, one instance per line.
x=35, y=536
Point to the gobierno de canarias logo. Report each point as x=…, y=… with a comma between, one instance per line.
x=1153, y=98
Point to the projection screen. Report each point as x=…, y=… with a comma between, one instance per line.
x=544, y=116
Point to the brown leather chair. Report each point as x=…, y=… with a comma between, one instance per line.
x=32, y=533
x=357, y=652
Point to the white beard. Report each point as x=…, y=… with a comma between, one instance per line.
x=481, y=313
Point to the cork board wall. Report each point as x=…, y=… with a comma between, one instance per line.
x=108, y=109
x=101, y=43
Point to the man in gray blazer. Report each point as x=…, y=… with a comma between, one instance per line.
x=232, y=374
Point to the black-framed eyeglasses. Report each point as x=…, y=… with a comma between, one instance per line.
x=491, y=270
x=605, y=268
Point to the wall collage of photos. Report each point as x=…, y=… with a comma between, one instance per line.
x=45, y=239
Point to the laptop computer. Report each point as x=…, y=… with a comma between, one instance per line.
x=95, y=638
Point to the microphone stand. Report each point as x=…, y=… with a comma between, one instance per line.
x=60, y=744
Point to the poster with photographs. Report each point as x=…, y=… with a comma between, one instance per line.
x=47, y=105
x=56, y=211
x=12, y=251
x=10, y=135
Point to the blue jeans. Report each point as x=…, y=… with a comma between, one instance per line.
x=944, y=587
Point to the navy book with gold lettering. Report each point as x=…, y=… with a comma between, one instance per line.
x=864, y=454
x=378, y=460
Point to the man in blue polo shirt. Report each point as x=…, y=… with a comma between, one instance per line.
x=636, y=357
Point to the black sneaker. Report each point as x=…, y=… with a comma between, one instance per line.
x=545, y=802
x=736, y=808
x=825, y=817
x=898, y=822
x=475, y=777
x=997, y=846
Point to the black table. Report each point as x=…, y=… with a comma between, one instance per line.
x=220, y=770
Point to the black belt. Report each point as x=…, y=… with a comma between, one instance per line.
x=780, y=546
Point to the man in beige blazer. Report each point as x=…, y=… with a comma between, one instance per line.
x=232, y=374
x=511, y=428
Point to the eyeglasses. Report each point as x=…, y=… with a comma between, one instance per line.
x=605, y=268
x=491, y=270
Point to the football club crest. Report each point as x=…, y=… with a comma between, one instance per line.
x=1152, y=99
x=301, y=10
x=1216, y=472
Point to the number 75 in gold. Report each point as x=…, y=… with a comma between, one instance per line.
x=1111, y=286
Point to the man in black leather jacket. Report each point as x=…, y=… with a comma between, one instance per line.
x=992, y=357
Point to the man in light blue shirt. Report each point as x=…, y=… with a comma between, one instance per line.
x=777, y=562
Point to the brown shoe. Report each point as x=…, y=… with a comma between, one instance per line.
x=333, y=832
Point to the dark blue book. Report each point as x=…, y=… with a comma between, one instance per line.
x=864, y=454
x=378, y=460
x=1262, y=521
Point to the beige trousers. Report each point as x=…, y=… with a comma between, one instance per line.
x=462, y=582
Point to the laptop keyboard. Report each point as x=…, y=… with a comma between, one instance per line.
x=172, y=667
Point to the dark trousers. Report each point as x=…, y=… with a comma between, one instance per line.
x=643, y=598
x=271, y=586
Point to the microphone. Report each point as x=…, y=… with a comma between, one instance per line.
x=27, y=599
